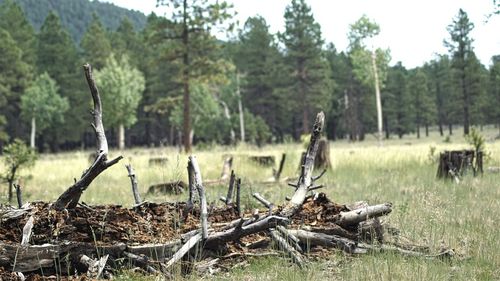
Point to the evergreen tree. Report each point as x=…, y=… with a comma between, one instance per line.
x=95, y=44
x=397, y=105
x=42, y=105
x=12, y=19
x=440, y=76
x=460, y=47
x=257, y=59
x=126, y=41
x=14, y=77
x=308, y=70
x=57, y=55
x=494, y=92
x=122, y=86
x=193, y=46
x=422, y=101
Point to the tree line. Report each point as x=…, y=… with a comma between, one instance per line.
x=174, y=83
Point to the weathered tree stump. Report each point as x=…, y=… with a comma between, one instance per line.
x=267, y=160
x=455, y=163
x=159, y=161
x=175, y=187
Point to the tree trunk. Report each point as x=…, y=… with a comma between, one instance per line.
x=418, y=131
x=185, y=81
x=121, y=137
x=450, y=129
x=426, y=129
x=33, y=132
x=466, y=104
x=441, y=129
x=379, y=101
x=240, y=108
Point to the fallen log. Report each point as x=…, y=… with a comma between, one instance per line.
x=362, y=214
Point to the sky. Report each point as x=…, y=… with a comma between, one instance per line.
x=413, y=30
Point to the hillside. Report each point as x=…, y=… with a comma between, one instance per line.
x=76, y=14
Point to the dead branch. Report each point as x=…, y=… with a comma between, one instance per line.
x=238, y=200
x=193, y=165
x=229, y=197
x=182, y=251
x=27, y=231
x=312, y=239
x=133, y=182
x=362, y=214
x=70, y=198
x=19, y=196
x=263, y=201
x=283, y=245
x=305, y=180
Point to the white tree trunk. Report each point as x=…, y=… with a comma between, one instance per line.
x=377, y=96
x=227, y=115
x=33, y=132
x=240, y=109
x=121, y=137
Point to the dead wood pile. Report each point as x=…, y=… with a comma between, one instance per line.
x=68, y=238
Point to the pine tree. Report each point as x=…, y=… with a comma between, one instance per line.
x=126, y=41
x=13, y=20
x=193, y=46
x=308, y=69
x=494, y=92
x=423, y=103
x=95, y=44
x=397, y=105
x=57, y=55
x=460, y=47
x=14, y=78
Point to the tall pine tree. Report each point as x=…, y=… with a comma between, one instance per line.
x=309, y=71
x=95, y=44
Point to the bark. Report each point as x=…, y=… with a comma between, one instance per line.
x=378, y=99
x=185, y=81
x=33, y=133
x=198, y=183
x=70, y=198
x=305, y=179
x=319, y=239
x=133, y=182
x=356, y=216
x=121, y=137
x=240, y=109
x=19, y=196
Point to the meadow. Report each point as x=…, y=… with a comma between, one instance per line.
x=436, y=213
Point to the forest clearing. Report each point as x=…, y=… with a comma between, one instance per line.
x=427, y=211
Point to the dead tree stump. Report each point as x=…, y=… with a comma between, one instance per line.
x=455, y=163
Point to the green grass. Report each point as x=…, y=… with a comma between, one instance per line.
x=462, y=216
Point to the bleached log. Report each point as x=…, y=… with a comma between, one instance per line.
x=283, y=245
x=27, y=231
x=305, y=180
x=362, y=214
x=312, y=239
x=235, y=233
x=193, y=241
x=198, y=183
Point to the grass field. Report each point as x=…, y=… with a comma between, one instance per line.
x=431, y=212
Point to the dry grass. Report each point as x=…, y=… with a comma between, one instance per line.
x=431, y=212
